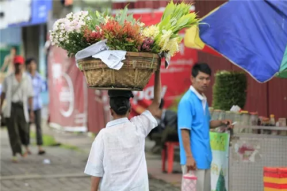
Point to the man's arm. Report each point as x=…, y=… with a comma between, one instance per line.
x=185, y=116
x=190, y=162
x=3, y=95
x=146, y=121
x=95, y=181
x=5, y=64
x=30, y=102
x=217, y=123
x=154, y=107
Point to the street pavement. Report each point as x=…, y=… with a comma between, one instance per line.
x=61, y=169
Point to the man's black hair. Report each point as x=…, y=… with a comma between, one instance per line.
x=29, y=60
x=200, y=67
x=120, y=105
x=13, y=47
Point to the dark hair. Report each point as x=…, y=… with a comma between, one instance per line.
x=200, y=67
x=120, y=105
x=29, y=60
x=161, y=104
x=13, y=47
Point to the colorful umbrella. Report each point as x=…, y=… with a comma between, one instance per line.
x=251, y=34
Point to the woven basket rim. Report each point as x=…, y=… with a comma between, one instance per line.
x=131, y=54
x=88, y=63
x=115, y=88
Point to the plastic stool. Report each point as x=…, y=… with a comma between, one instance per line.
x=168, y=152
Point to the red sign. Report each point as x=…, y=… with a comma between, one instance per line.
x=66, y=92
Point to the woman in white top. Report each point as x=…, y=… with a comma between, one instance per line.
x=117, y=158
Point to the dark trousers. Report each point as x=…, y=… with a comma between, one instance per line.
x=18, y=130
x=37, y=114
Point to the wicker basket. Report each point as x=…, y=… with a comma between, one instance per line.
x=134, y=75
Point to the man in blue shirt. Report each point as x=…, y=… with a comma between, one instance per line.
x=38, y=87
x=194, y=122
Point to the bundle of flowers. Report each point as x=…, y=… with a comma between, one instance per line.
x=80, y=30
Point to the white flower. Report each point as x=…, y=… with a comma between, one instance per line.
x=55, y=26
x=85, y=13
x=70, y=15
x=81, y=23
x=164, y=39
x=62, y=26
x=107, y=19
x=78, y=28
x=151, y=31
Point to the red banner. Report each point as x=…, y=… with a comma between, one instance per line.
x=66, y=92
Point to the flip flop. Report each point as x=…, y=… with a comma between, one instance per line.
x=14, y=160
x=24, y=155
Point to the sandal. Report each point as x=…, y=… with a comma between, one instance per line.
x=24, y=155
x=14, y=159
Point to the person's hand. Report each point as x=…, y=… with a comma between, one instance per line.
x=190, y=164
x=32, y=116
x=228, y=123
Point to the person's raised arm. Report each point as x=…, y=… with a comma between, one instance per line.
x=154, y=107
x=5, y=64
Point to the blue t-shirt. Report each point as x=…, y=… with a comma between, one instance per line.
x=38, y=87
x=192, y=116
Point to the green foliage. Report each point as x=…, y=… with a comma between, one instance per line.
x=95, y=18
x=177, y=17
x=77, y=42
x=123, y=16
x=47, y=139
x=229, y=89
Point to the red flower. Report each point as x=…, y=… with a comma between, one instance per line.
x=93, y=36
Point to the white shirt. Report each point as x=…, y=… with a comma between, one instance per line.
x=24, y=92
x=117, y=154
x=202, y=97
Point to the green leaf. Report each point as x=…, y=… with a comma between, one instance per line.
x=165, y=24
x=169, y=9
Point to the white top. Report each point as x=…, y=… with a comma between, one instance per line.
x=21, y=95
x=117, y=154
x=202, y=97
